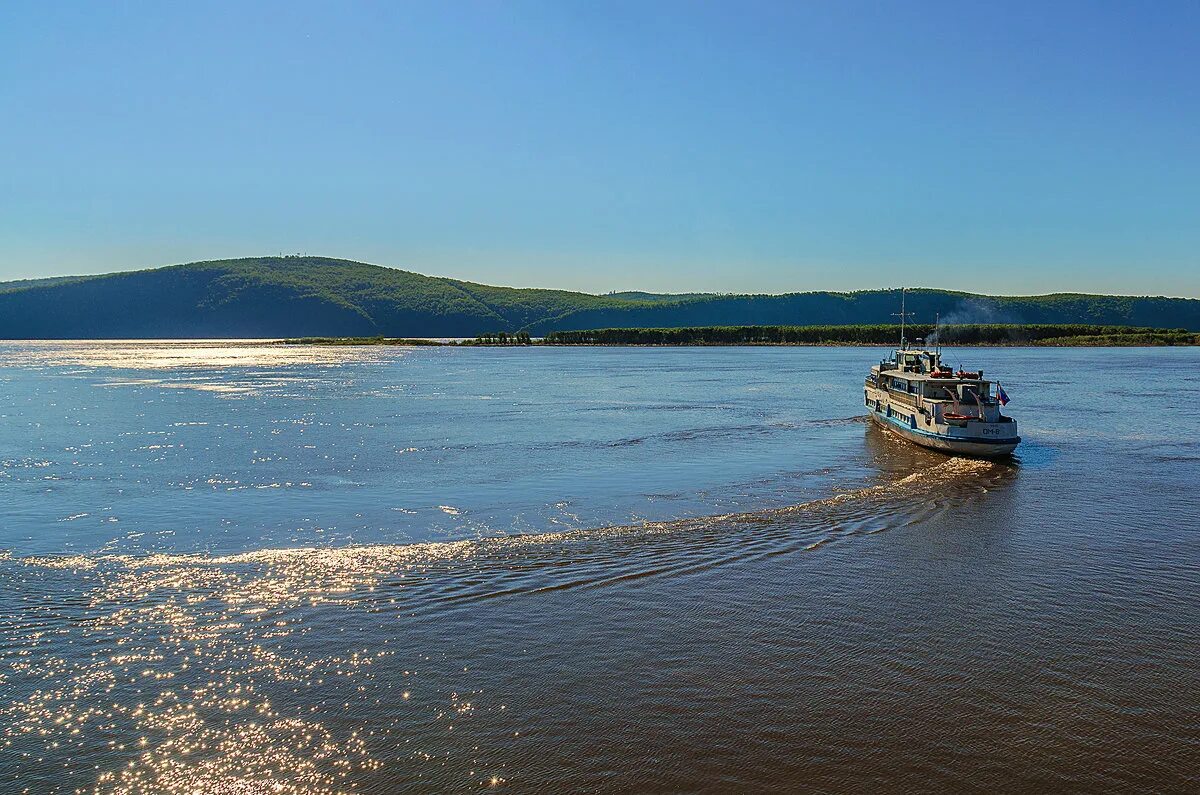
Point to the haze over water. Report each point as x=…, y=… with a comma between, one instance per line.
x=252, y=568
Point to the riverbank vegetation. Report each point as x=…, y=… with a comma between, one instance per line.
x=994, y=334
x=359, y=341
x=501, y=338
x=883, y=334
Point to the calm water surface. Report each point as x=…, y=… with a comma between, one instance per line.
x=249, y=568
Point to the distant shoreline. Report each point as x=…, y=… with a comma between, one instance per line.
x=426, y=343
x=1039, y=335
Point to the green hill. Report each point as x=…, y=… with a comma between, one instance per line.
x=317, y=296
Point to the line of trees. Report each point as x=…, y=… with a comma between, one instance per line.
x=504, y=338
x=884, y=334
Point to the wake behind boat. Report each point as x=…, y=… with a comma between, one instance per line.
x=914, y=395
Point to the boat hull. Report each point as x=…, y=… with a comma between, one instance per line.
x=979, y=448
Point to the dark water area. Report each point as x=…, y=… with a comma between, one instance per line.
x=244, y=568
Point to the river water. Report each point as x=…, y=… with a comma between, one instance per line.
x=243, y=568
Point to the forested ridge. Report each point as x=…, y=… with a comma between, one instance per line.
x=302, y=296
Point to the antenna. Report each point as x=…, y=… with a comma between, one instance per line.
x=903, y=317
x=937, y=333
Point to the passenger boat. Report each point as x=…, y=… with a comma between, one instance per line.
x=914, y=395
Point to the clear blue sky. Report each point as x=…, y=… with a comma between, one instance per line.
x=996, y=147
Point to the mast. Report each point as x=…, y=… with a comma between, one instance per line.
x=903, y=317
